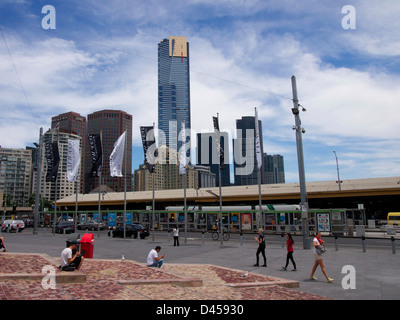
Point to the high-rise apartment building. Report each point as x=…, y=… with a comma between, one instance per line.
x=173, y=90
x=111, y=124
x=72, y=122
x=274, y=169
x=15, y=175
x=207, y=155
x=244, y=152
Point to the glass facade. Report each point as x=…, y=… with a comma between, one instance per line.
x=173, y=90
x=244, y=147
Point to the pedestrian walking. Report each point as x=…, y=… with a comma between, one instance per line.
x=289, y=256
x=261, y=247
x=2, y=244
x=318, y=242
x=176, y=236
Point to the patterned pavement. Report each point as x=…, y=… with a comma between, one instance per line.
x=130, y=280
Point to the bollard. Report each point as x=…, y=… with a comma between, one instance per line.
x=336, y=244
x=283, y=241
x=202, y=236
x=241, y=239
x=363, y=244
x=393, y=245
x=169, y=235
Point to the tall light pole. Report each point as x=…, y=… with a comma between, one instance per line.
x=299, y=142
x=337, y=168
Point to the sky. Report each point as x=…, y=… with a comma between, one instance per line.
x=103, y=55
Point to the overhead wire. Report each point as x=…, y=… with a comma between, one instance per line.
x=17, y=74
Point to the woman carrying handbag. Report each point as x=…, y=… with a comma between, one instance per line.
x=318, y=251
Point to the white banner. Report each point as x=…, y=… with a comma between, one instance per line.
x=258, y=143
x=73, y=160
x=182, y=151
x=117, y=156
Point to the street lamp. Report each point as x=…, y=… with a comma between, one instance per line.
x=299, y=143
x=337, y=168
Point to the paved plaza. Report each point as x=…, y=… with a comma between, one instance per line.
x=199, y=269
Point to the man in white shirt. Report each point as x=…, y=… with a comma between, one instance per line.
x=153, y=260
x=71, y=262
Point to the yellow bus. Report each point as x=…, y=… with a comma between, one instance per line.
x=393, y=218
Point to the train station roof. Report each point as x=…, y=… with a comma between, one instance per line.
x=269, y=192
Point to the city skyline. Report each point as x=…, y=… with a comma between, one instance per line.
x=103, y=55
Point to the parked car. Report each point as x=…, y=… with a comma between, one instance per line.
x=12, y=225
x=28, y=222
x=135, y=230
x=91, y=225
x=68, y=226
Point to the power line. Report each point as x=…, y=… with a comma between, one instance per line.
x=16, y=72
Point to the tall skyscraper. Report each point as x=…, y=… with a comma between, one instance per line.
x=245, y=161
x=207, y=155
x=72, y=122
x=173, y=90
x=111, y=123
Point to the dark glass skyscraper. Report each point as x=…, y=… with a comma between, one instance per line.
x=173, y=89
x=245, y=164
x=207, y=155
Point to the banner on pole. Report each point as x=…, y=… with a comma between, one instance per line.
x=258, y=141
x=73, y=160
x=53, y=160
x=96, y=153
x=148, y=141
x=182, y=151
x=117, y=157
x=220, y=148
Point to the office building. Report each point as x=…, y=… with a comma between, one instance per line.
x=173, y=90
x=111, y=124
x=72, y=122
x=207, y=155
x=274, y=169
x=245, y=161
x=167, y=176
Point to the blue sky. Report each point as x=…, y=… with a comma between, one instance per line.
x=103, y=55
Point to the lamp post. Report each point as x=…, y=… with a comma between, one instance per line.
x=337, y=168
x=299, y=142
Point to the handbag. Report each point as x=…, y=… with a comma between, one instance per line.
x=321, y=249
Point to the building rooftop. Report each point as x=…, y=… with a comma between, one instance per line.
x=317, y=189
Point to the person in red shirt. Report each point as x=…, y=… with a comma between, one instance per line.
x=289, y=245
